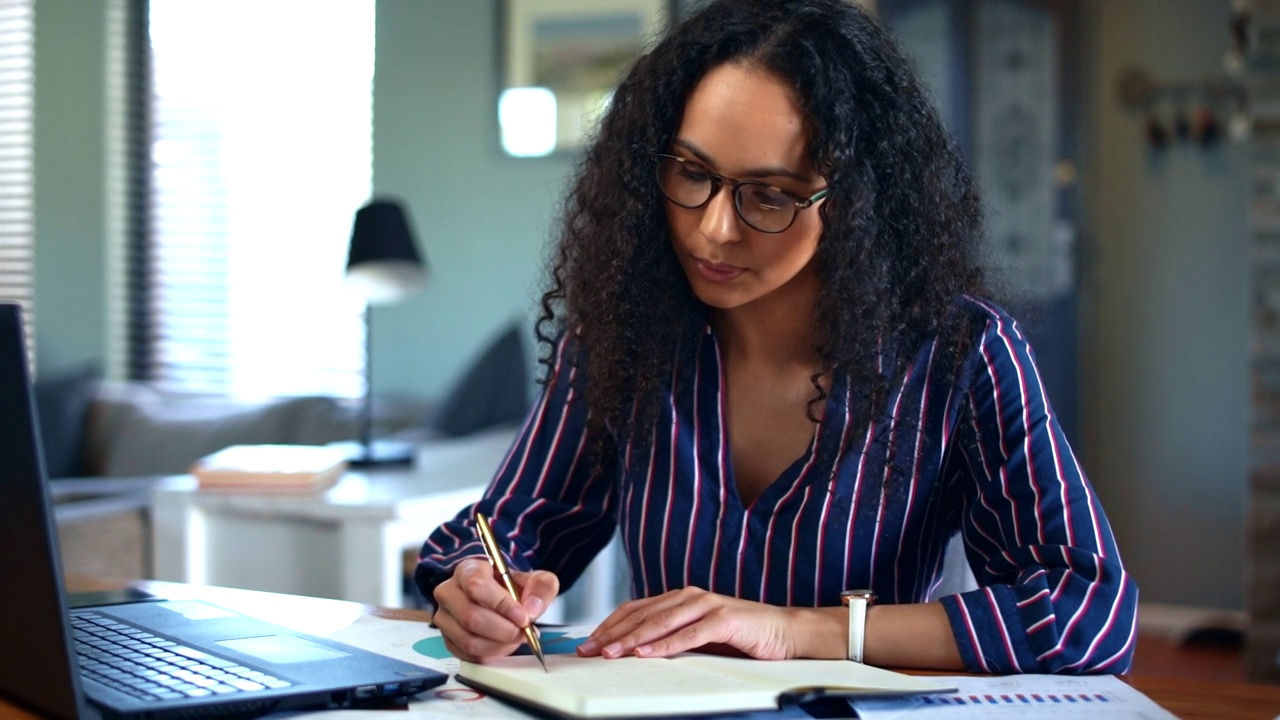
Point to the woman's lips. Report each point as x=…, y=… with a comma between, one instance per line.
x=718, y=272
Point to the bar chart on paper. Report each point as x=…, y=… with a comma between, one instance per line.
x=1100, y=697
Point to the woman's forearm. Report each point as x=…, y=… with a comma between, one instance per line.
x=905, y=636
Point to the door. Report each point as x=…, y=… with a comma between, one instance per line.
x=1005, y=77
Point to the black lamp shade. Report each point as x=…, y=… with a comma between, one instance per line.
x=383, y=264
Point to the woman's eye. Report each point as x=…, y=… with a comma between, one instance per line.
x=765, y=199
x=694, y=174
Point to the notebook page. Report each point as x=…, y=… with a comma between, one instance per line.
x=842, y=675
x=595, y=686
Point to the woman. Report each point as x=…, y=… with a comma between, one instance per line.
x=773, y=371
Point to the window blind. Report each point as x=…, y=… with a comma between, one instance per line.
x=128, y=131
x=260, y=139
x=17, y=78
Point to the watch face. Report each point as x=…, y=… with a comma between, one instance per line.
x=848, y=595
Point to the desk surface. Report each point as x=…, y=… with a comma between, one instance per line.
x=1187, y=699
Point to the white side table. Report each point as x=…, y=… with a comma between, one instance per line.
x=346, y=543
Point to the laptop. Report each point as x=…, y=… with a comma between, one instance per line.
x=145, y=659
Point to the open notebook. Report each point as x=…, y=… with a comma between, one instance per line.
x=688, y=684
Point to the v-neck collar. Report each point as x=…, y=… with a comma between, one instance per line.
x=799, y=470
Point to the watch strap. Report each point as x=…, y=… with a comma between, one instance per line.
x=858, y=602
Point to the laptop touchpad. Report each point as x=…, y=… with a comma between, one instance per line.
x=282, y=649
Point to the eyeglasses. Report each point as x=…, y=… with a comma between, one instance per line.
x=762, y=206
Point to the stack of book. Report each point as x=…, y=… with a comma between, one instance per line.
x=271, y=468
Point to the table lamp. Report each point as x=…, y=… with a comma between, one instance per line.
x=383, y=268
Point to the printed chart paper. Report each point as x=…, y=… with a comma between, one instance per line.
x=1098, y=697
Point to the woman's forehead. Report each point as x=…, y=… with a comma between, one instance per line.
x=745, y=118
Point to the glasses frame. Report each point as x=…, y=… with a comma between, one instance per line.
x=719, y=181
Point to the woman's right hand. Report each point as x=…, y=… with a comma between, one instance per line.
x=478, y=617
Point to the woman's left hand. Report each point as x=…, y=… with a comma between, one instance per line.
x=691, y=618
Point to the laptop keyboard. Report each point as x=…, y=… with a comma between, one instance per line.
x=150, y=667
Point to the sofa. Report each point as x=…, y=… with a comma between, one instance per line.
x=106, y=442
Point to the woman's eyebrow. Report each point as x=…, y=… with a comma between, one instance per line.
x=761, y=172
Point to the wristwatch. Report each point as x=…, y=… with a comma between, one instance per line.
x=858, y=602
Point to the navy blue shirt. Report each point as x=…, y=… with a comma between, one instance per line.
x=979, y=452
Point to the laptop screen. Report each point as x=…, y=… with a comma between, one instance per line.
x=34, y=641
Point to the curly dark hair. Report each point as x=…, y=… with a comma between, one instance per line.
x=899, y=228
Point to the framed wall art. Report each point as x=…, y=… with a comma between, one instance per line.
x=561, y=60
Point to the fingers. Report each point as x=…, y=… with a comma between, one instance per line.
x=467, y=645
x=476, y=580
x=691, y=619
x=660, y=626
x=477, y=615
x=537, y=590
x=626, y=613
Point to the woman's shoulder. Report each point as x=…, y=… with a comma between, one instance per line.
x=985, y=330
x=984, y=309
x=987, y=318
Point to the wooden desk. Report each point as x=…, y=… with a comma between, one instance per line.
x=1209, y=699
x=1188, y=699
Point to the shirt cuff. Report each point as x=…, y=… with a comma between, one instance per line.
x=989, y=631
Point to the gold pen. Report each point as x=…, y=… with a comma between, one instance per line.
x=490, y=543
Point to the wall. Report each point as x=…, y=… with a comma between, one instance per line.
x=1165, y=362
x=483, y=219
x=1163, y=368
x=70, y=184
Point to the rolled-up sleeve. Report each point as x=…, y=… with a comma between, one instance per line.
x=550, y=502
x=1054, y=596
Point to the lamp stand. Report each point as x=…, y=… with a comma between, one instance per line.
x=372, y=452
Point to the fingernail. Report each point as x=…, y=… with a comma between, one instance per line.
x=533, y=606
x=644, y=650
x=588, y=647
x=612, y=650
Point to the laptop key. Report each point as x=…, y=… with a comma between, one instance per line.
x=246, y=684
x=197, y=692
x=201, y=657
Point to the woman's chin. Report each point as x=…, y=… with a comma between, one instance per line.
x=719, y=297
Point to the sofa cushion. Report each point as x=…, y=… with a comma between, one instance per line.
x=493, y=390
x=62, y=402
x=147, y=434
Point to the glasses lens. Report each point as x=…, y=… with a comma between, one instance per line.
x=684, y=184
x=765, y=208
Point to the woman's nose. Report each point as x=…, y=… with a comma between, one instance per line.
x=720, y=217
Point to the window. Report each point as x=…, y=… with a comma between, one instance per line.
x=260, y=137
x=17, y=253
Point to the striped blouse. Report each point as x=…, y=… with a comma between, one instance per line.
x=982, y=455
